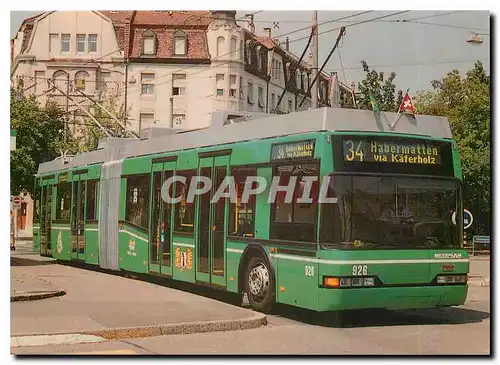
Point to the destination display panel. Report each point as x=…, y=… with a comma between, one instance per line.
x=392, y=154
x=366, y=150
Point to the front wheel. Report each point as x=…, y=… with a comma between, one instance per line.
x=259, y=285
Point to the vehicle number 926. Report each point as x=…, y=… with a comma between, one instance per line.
x=359, y=270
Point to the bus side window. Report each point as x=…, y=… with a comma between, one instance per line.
x=242, y=214
x=136, y=211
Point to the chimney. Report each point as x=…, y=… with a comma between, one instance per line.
x=126, y=35
x=267, y=32
x=287, y=44
x=249, y=23
x=353, y=86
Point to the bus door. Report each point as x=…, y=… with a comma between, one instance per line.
x=78, y=200
x=160, y=233
x=45, y=218
x=211, y=235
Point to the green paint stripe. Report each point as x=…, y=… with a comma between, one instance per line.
x=235, y=250
x=183, y=244
x=134, y=235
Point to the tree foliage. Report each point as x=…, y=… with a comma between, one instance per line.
x=40, y=138
x=465, y=101
x=382, y=89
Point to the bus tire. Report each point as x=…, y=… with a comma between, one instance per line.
x=260, y=284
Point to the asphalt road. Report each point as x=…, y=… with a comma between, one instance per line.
x=448, y=331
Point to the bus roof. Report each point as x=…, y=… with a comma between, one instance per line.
x=314, y=120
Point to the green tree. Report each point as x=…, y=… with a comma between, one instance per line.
x=465, y=101
x=91, y=133
x=40, y=138
x=382, y=89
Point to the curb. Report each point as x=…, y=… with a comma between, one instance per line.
x=22, y=298
x=258, y=320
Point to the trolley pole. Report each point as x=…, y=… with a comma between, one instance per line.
x=314, y=48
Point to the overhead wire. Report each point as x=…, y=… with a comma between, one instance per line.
x=353, y=24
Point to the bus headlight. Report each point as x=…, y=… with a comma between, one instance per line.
x=452, y=279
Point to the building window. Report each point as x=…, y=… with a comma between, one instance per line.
x=92, y=198
x=149, y=43
x=261, y=97
x=219, y=79
x=220, y=46
x=249, y=52
x=180, y=46
x=242, y=215
x=273, y=101
x=250, y=93
x=178, y=84
x=146, y=120
x=65, y=42
x=63, y=201
x=136, y=210
x=242, y=52
x=104, y=77
x=259, y=58
x=147, y=83
x=290, y=105
x=295, y=221
x=60, y=79
x=232, y=86
x=92, y=42
x=80, y=43
x=80, y=79
x=53, y=40
x=178, y=120
x=298, y=79
x=233, y=50
x=184, y=210
x=242, y=93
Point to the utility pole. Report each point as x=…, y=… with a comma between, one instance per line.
x=66, y=117
x=314, y=48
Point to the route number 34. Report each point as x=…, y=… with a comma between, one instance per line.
x=359, y=270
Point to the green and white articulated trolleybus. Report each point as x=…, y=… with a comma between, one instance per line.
x=355, y=213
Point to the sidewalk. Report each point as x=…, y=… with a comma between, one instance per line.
x=111, y=306
x=479, y=271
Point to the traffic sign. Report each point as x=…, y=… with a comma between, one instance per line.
x=468, y=219
x=17, y=201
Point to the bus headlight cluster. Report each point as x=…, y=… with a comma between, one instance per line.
x=348, y=282
x=452, y=279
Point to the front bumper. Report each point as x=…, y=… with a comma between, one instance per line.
x=392, y=297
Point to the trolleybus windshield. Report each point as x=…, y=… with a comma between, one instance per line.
x=391, y=212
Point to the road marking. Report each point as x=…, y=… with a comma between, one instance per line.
x=360, y=262
x=183, y=244
x=44, y=340
x=104, y=352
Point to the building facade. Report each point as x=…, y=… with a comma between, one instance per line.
x=165, y=68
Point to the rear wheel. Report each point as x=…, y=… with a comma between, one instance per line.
x=260, y=285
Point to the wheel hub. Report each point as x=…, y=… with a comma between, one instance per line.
x=258, y=280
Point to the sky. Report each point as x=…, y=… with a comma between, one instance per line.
x=417, y=52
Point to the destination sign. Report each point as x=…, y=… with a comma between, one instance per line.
x=294, y=150
x=365, y=150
